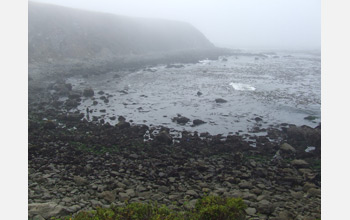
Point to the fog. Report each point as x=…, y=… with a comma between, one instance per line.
x=270, y=24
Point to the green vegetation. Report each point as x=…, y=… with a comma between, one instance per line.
x=214, y=207
x=316, y=165
x=207, y=208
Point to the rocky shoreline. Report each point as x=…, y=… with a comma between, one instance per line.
x=75, y=164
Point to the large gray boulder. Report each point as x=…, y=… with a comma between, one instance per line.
x=47, y=210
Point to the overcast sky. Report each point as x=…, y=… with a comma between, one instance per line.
x=262, y=24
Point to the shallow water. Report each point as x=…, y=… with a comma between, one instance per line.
x=283, y=89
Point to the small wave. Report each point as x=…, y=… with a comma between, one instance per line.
x=204, y=61
x=242, y=87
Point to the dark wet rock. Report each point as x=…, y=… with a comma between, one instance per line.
x=88, y=92
x=72, y=117
x=258, y=119
x=121, y=118
x=220, y=100
x=57, y=104
x=174, y=66
x=199, y=93
x=238, y=157
x=62, y=88
x=103, y=110
x=101, y=92
x=198, y=122
x=124, y=92
x=112, y=118
x=181, y=120
x=50, y=124
x=164, y=137
x=304, y=136
x=72, y=103
x=74, y=95
x=310, y=118
x=95, y=102
x=123, y=124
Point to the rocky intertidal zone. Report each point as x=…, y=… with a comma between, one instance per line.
x=75, y=165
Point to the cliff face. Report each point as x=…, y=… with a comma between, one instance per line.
x=56, y=32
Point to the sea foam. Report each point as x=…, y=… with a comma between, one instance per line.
x=242, y=87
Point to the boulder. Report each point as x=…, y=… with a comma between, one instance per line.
x=258, y=119
x=312, y=192
x=164, y=137
x=299, y=163
x=265, y=207
x=308, y=186
x=109, y=196
x=163, y=189
x=181, y=120
x=72, y=103
x=88, y=92
x=220, y=100
x=38, y=217
x=191, y=192
x=191, y=204
x=49, y=124
x=79, y=180
x=123, y=124
x=250, y=211
x=197, y=122
x=124, y=196
x=73, y=117
x=287, y=148
x=47, y=210
x=130, y=192
x=245, y=185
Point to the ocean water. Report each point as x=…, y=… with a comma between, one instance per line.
x=280, y=88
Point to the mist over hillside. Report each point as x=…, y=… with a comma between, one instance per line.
x=59, y=33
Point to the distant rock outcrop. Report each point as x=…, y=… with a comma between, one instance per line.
x=59, y=33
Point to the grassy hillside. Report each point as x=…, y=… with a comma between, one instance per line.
x=56, y=32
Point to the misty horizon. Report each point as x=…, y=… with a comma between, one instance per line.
x=279, y=25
